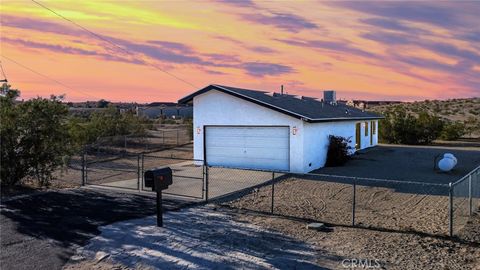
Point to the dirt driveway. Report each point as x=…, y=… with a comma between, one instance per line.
x=41, y=231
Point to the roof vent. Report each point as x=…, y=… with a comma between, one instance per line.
x=330, y=97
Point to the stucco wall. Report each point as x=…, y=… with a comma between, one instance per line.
x=217, y=108
x=308, y=147
x=316, y=140
x=365, y=140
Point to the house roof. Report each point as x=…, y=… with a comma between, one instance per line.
x=308, y=109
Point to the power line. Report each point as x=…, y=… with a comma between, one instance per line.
x=47, y=77
x=5, y=80
x=112, y=43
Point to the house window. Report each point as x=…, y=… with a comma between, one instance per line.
x=374, y=128
x=366, y=128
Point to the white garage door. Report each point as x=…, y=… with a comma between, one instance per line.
x=248, y=147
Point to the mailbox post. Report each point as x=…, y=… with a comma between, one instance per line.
x=158, y=179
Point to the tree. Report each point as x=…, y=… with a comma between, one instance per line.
x=102, y=103
x=34, y=138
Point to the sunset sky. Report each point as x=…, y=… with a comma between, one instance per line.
x=364, y=50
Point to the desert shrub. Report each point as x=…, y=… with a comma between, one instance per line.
x=452, y=131
x=338, y=151
x=400, y=127
x=34, y=138
x=106, y=123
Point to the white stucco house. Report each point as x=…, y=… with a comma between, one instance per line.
x=253, y=129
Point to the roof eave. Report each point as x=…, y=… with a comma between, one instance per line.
x=339, y=119
x=190, y=97
x=235, y=94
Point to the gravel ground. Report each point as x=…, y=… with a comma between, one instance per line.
x=401, y=230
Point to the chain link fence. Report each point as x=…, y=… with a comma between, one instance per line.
x=70, y=173
x=121, y=172
x=188, y=175
x=153, y=140
x=399, y=206
x=351, y=201
x=465, y=199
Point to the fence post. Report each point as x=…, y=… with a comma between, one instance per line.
x=163, y=137
x=273, y=192
x=142, y=169
x=470, y=205
x=203, y=180
x=206, y=182
x=86, y=169
x=125, y=143
x=354, y=200
x=83, y=168
x=450, y=209
x=138, y=172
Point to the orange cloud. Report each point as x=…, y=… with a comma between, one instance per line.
x=386, y=51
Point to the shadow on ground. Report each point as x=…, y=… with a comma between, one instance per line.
x=39, y=231
x=202, y=238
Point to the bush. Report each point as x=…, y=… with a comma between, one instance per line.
x=453, y=131
x=106, y=123
x=401, y=127
x=338, y=151
x=34, y=138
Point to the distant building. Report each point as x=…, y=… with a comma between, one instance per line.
x=364, y=104
x=165, y=110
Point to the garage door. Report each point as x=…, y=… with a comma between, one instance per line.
x=248, y=147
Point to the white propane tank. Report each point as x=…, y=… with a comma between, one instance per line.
x=447, y=163
x=449, y=155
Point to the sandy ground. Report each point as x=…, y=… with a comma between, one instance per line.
x=394, y=250
x=204, y=238
x=401, y=230
x=194, y=238
x=332, y=203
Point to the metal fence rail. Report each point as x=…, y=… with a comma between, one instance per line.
x=465, y=200
x=351, y=201
x=151, y=141
x=188, y=175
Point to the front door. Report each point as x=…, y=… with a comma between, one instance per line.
x=358, y=135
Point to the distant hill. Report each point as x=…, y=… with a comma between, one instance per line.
x=465, y=110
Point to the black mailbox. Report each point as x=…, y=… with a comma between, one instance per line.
x=160, y=177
